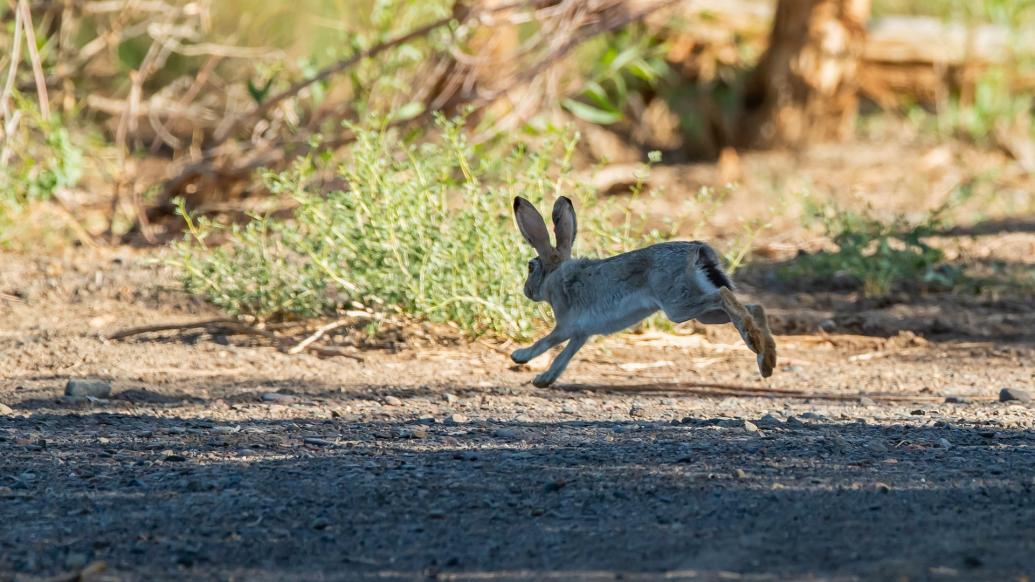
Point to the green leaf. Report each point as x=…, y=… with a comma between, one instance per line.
x=408, y=111
x=624, y=58
x=591, y=114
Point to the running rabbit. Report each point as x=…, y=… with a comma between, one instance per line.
x=601, y=296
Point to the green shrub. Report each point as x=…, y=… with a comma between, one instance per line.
x=874, y=254
x=424, y=229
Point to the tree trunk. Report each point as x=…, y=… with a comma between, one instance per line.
x=804, y=88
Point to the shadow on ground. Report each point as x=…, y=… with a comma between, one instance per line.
x=172, y=498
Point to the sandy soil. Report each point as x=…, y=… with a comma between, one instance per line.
x=873, y=453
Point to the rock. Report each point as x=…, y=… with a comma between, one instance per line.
x=449, y=398
x=5, y=410
x=917, y=412
x=877, y=445
x=741, y=474
x=317, y=442
x=393, y=401
x=750, y=426
x=956, y=400
x=567, y=409
x=75, y=560
x=83, y=387
x=174, y=459
x=507, y=433
x=555, y=485
x=278, y=398
x=944, y=443
x=457, y=418
x=769, y=421
x=320, y=523
x=415, y=432
x=522, y=418
x=882, y=487
x=867, y=401
x=637, y=411
x=1014, y=394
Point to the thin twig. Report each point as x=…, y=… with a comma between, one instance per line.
x=9, y=297
x=302, y=345
x=261, y=109
x=34, y=56
x=10, y=119
x=335, y=352
x=84, y=235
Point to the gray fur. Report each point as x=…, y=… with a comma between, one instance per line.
x=603, y=296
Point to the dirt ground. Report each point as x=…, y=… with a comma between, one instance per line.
x=878, y=451
x=659, y=456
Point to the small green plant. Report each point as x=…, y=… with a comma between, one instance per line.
x=41, y=161
x=423, y=230
x=628, y=61
x=994, y=105
x=874, y=254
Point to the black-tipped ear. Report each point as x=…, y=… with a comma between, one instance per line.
x=565, y=227
x=532, y=226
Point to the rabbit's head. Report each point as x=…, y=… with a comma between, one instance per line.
x=548, y=257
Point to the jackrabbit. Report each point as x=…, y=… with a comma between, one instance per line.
x=601, y=296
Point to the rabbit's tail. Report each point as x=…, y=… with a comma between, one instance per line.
x=708, y=265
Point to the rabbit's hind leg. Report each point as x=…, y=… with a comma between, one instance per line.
x=767, y=357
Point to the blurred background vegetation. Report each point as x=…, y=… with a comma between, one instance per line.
x=310, y=158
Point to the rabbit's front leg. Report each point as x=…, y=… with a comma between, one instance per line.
x=560, y=362
x=525, y=355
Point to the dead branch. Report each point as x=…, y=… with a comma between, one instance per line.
x=132, y=331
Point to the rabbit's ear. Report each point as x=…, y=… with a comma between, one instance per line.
x=564, y=226
x=532, y=226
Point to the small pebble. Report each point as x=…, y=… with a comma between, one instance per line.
x=1014, y=394
x=450, y=398
x=393, y=401
x=278, y=398
x=506, y=433
x=877, y=445
x=750, y=426
x=457, y=418
x=83, y=387
x=867, y=401
x=944, y=443
x=317, y=442
x=75, y=560
x=5, y=410
x=415, y=432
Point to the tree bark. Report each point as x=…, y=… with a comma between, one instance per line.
x=804, y=88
